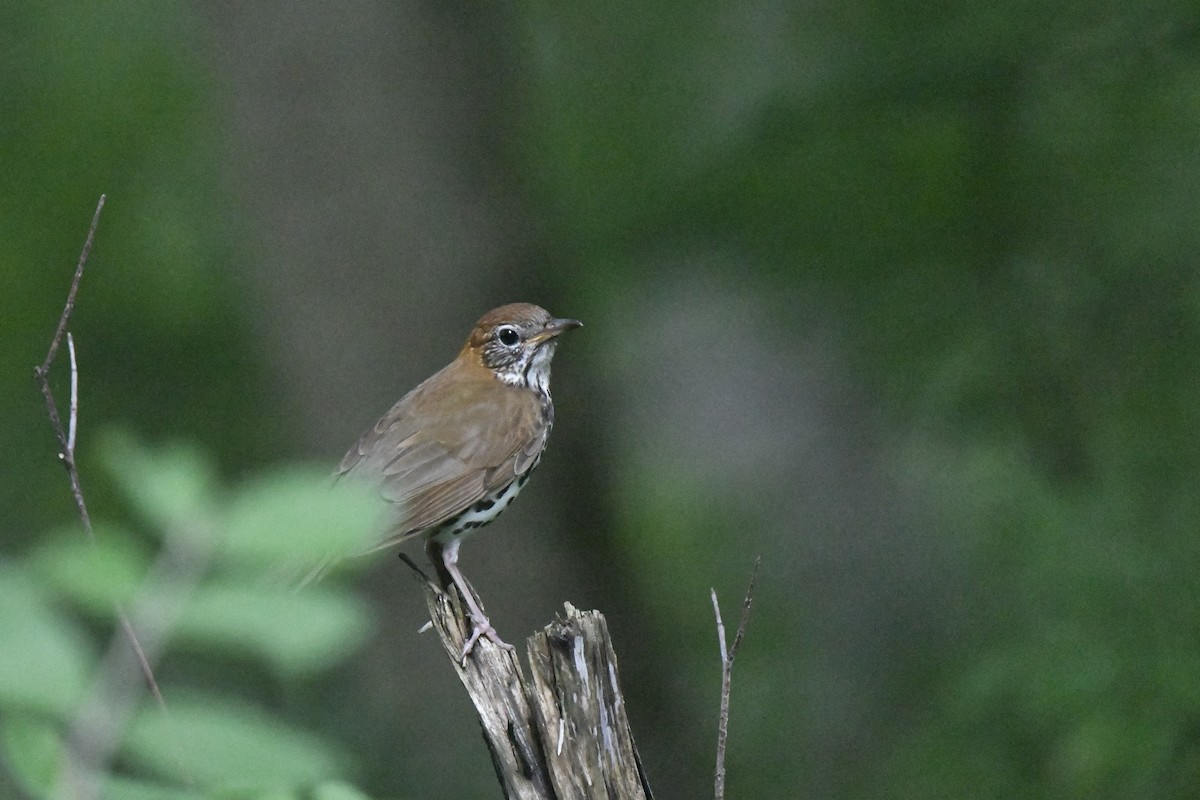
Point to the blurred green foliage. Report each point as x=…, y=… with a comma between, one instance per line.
x=1003, y=201
x=201, y=579
x=101, y=98
x=996, y=206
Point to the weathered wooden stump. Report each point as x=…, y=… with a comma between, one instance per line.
x=562, y=735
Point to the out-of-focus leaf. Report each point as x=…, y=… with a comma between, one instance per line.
x=274, y=793
x=169, y=485
x=259, y=793
x=119, y=788
x=300, y=515
x=32, y=746
x=222, y=745
x=336, y=790
x=44, y=657
x=295, y=632
x=94, y=576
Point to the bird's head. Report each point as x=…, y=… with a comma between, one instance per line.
x=516, y=342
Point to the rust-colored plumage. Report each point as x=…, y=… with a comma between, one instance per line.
x=455, y=450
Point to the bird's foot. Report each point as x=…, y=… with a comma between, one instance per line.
x=482, y=628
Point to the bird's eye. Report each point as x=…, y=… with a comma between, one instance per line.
x=508, y=336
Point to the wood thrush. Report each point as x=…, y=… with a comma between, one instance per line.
x=456, y=450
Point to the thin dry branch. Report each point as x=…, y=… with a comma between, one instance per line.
x=115, y=693
x=74, y=412
x=727, y=656
x=69, y=308
x=66, y=443
x=67, y=438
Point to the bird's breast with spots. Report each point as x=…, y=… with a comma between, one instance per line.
x=482, y=511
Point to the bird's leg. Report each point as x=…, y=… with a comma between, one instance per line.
x=481, y=625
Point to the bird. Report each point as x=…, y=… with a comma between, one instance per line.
x=452, y=454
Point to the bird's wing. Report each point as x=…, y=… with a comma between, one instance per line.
x=480, y=439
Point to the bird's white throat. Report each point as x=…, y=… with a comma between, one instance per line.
x=532, y=371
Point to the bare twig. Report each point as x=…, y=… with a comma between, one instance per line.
x=67, y=437
x=74, y=413
x=111, y=701
x=416, y=568
x=727, y=656
x=70, y=305
x=143, y=661
x=42, y=373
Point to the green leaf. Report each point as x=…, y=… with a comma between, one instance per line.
x=169, y=485
x=273, y=793
x=119, y=788
x=299, y=515
x=219, y=744
x=45, y=659
x=336, y=790
x=93, y=576
x=296, y=633
x=32, y=749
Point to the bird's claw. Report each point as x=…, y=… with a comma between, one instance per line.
x=483, y=628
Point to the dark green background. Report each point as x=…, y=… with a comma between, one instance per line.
x=902, y=297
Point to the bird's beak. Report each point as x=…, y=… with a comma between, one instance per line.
x=553, y=329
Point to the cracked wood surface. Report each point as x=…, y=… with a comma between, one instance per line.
x=562, y=734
